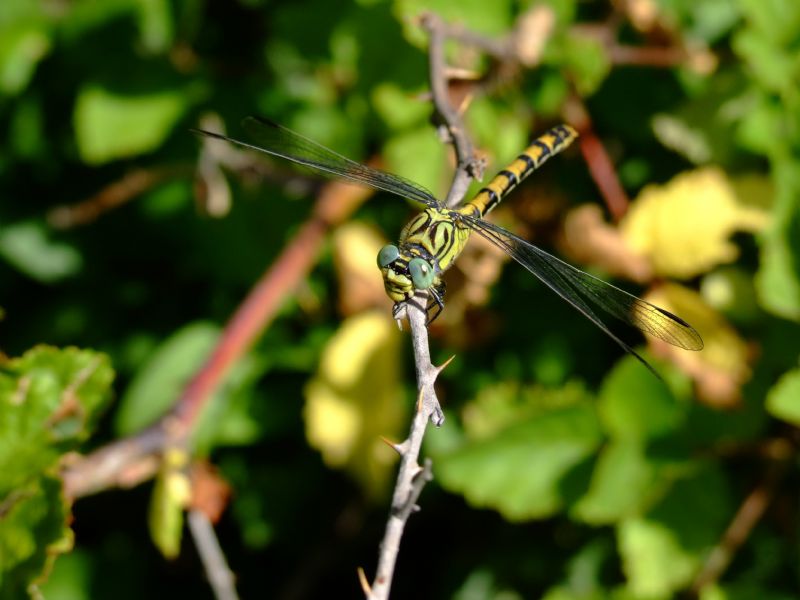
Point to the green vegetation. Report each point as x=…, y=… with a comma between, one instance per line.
x=565, y=470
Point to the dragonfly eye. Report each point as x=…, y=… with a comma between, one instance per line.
x=387, y=255
x=421, y=273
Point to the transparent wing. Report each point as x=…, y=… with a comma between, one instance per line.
x=585, y=292
x=277, y=140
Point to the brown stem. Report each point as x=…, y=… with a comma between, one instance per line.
x=131, y=460
x=747, y=517
x=597, y=159
x=132, y=184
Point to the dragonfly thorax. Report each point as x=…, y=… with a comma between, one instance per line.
x=428, y=245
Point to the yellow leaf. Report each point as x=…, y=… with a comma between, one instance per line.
x=356, y=397
x=721, y=367
x=170, y=498
x=355, y=248
x=684, y=227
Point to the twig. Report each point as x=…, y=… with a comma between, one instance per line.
x=746, y=518
x=205, y=539
x=601, y=167
x=115, y=194
x=467, y=167
x=411, y=477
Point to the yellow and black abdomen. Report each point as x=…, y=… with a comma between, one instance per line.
x=548, y=144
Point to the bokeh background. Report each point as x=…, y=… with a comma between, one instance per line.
x=565, y=470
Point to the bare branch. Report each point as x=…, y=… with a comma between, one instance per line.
x=747, y=517
x=205, y=539
x=115, y=194
x=467, y=167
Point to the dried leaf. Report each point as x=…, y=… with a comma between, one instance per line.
x=590, y=240
x=722, y=366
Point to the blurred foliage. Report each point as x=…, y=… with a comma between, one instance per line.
x=565, y=470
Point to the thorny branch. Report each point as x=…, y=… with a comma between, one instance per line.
x=412, y=477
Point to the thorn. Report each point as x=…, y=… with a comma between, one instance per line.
x=396, y=447
x=447, y=362
x=462, y=108
x=437, y=416
x=362, y=579
x=399, y=324
x=416, y=508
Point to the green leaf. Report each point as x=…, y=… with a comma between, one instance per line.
x=476, y=15
x=159, y=381
x=761, y=128
x=500, y=132
x=418, y=155
x=584, y=576
x=33, y=531
x=634, y=405
x=109, y=126
x=624, y=482
x=50, y=400
x=783, y=400
x=482, y=583
x=778, y=278
x=155, y=24
x=520, y=469
x=399, y=108
x=85, y=16
x=771, y=65
x=26, y=246
x=22, y=46
x=743, y=591
x=71, y=577
x=712, y=19
x=586, y=60
x=776, y=19
x=662, y=551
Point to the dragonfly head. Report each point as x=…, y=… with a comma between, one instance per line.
x=420, y=272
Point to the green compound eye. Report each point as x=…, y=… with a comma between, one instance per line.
x=387, y=255
x=421, y=273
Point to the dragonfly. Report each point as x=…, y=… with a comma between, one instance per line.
x=433, y=240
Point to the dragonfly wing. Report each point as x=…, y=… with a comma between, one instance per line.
x=277, y=140
x=584, y=291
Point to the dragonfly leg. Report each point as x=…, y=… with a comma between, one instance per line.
x=436, y=294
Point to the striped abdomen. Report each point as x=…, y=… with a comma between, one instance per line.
x=548, y=144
